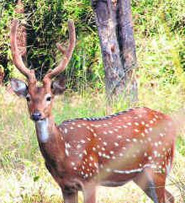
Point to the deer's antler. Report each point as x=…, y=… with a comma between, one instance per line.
x=66, y=52
x=17, y=58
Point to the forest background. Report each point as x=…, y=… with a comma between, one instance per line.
x=159, y=31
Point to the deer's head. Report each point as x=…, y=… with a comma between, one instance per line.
x=39, y=98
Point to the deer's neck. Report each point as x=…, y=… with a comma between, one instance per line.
x=47, y=131
x=50, y=138
x=42, y=128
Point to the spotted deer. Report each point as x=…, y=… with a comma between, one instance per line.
x=135, y=145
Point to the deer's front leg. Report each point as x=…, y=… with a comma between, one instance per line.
x=89, y=193
x=70, y=196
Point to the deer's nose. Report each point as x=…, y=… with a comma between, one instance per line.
x=36, y=116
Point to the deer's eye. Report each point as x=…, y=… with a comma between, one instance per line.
x=48, y=98
x=28, y=98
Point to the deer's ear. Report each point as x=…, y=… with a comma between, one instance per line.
x=58, y=86
x=19, y=87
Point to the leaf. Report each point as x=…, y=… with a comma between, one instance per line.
x=36, y=178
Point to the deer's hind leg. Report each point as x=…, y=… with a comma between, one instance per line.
x=169, y=197
x=153, y=184
x=89, y=192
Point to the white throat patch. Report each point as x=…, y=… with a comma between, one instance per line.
x=42, y=130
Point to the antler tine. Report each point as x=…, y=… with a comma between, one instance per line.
x=17, y=59
x=67, y=53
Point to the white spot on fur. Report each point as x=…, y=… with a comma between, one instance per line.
x=78, y=146
x=137, y=170
x=82, y=141
x=65, y=130
x=105, y=143
x=66, y=152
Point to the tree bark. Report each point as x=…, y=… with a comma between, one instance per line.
x=114, y=22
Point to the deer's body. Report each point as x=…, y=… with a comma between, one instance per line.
x=137, y=144
x=108, y=151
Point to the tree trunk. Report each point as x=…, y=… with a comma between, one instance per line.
x=114, y=22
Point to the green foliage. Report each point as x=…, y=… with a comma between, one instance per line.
x=6, y=12
x=47, y=25
x=51, y=27
x=148, y=15
x=155, y=18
